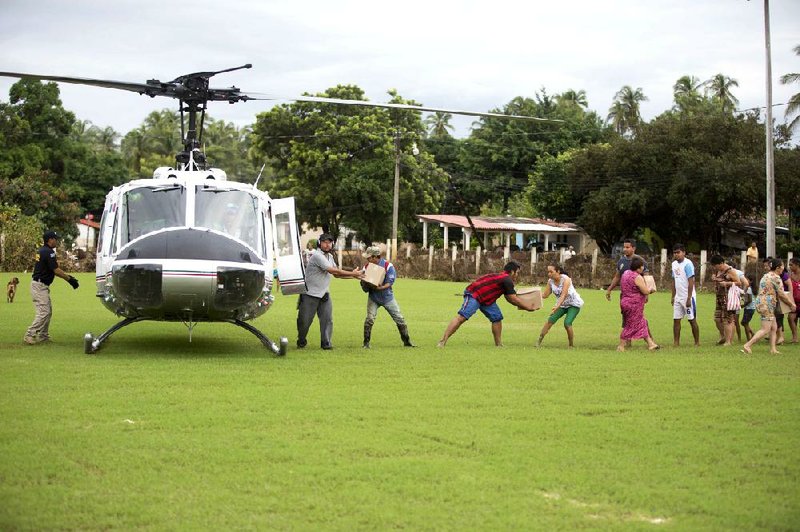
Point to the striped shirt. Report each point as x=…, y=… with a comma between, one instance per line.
x=488, y=288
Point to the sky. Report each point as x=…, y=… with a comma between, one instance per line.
x=472, y=55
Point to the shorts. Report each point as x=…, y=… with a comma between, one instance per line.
x=471, y=306
x=571, y=312
x=747, y=315
x=680, y=311
x=726, y=316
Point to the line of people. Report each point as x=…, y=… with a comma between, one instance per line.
x=734, y=297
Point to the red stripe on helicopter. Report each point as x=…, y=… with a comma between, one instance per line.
x=178, y=273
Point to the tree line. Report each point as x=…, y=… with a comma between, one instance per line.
x=679, y=176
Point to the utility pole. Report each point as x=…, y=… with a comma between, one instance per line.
x=770, y=148
x=396, y=197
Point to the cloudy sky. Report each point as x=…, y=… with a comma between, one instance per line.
x=474, y=55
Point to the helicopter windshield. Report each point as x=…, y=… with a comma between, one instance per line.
x=149, y=209
x=233, y=212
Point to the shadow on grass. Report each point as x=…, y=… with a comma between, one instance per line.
x=154, y=344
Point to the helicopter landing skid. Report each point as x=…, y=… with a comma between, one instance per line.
x=278, y=349
x=92, y=344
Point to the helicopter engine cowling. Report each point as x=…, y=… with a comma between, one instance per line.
x=188, y=274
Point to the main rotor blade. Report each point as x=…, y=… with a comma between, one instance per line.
x=181, y=90
x=141, y=88
x=405, y=107
x=176, y=89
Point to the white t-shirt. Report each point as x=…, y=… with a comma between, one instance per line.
x=572, y=299
x=682, y=272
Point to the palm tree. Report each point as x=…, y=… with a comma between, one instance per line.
x=686, y=92
x=570, y=96
x=438, y=124
x=794, y=101
x=625, y=114
x=719, y=89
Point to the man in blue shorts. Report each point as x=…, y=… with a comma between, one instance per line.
x=482, y=295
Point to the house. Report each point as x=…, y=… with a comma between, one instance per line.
x=88, y=230
x=545, y=235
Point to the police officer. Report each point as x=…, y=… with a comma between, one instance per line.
x=44, y=272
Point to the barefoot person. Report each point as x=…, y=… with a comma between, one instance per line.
x=568, y=302
x=482, y=295
x=770, y=290
x=724, y=277
x=634, y=296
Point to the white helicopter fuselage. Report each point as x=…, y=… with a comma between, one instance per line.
x=191, y=246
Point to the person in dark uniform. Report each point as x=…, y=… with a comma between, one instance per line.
x=44, y=272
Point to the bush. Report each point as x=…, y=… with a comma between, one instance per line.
x=20, y=237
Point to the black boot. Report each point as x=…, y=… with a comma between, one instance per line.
x=367, y=335
x=404, y=335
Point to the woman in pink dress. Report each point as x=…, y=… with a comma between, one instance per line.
x=634, y=296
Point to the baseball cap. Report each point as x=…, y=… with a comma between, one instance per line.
x=51, y=234
x=372, y=251
x=326, y=236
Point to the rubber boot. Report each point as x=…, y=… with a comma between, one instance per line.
x=367, y=335
x=404, y=335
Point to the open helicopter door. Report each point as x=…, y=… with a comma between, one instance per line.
x=286, y=240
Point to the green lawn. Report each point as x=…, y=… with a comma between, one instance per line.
x=156, y=432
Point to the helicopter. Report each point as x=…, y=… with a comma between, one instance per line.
x=188, y=245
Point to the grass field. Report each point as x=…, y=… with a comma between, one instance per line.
x=156, y=432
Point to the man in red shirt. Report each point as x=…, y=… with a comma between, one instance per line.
x=482, y=295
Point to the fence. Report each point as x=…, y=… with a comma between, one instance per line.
x=587, y=271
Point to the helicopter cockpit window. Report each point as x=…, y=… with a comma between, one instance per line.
x=148, y=209
x=283, y=235
x=233, y=212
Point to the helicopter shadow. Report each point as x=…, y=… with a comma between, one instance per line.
x=158, y=344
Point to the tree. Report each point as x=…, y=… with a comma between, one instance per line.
x=625, y=114
x=686, y=93
x=794, y=101
x=718, y=89
x=439, y=123
x=572, y=97
x=682, y=176
x=42, y=141
x=338, y=163
x=35, y=195
x=501, y=153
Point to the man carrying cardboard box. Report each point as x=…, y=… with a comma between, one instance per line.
x=381, y=295
x=482, y=295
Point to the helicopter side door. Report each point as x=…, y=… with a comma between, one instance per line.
x=104, y=245
x=286, y=242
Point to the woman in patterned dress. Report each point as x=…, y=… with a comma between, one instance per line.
x=770, y=290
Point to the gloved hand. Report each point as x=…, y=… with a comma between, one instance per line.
x=73, y=282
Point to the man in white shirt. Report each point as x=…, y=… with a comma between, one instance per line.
x=684, y=298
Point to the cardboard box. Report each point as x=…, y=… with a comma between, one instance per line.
x=374, y=274
x=531, y=295
x=650, y=282
x=785, y=308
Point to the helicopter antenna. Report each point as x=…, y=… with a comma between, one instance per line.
x=255, y=185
